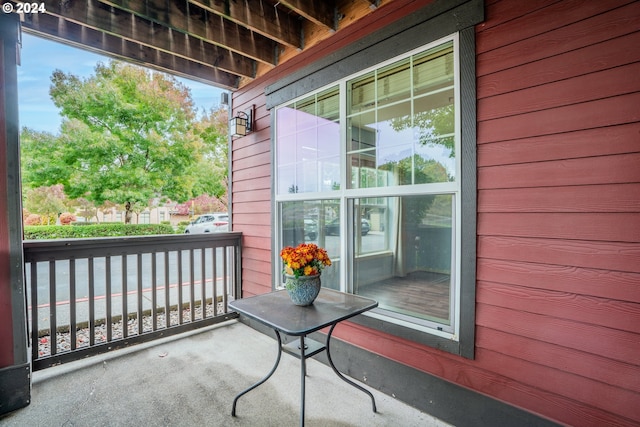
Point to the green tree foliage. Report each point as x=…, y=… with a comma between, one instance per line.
x=434, y=127
x=128, y=135
x=211, y=172
x=84, y=208
x=38, y=160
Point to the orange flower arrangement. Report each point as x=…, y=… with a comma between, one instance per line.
x=306, y=259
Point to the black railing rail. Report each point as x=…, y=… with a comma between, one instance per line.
x=90, y=296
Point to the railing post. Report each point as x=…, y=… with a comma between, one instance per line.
x=237, y=293
x=73, y=321
x=125, y=304
x=53, y=324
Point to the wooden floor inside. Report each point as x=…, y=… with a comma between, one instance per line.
x=422, y=294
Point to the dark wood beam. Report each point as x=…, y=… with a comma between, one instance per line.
x=229, y=42
x=197, y=22
x=319, y=12
x=260, y=17
x=72, y=33
x=111, y=18
x=135, y=27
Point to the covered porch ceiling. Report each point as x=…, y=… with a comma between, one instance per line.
x=225, y=43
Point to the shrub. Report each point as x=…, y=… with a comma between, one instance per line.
x=86, y=223
x=67, y=218
x=32, y=219
x=95, y=231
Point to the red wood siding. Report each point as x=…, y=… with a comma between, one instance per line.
x=558, y=267
x=251, y=196
x=558, y=285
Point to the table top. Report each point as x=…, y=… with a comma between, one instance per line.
x=276, y=310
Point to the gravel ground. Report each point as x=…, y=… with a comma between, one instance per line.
x=63, y=339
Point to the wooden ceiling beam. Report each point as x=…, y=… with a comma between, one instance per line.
x=258, y=16
x=226, y=42
x=198, y=50
x=107, y=44
x=130, y=27
x=197, y=22
x=321, y=13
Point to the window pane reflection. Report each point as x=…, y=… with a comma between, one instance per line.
x=317, y=222
x=401, y=122
x=308, y=144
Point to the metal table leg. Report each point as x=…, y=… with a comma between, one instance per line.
x=303, y=374
x=275, y=366
x=373, y=401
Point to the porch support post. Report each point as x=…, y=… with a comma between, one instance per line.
x=15, y=383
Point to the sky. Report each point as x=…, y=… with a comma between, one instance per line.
x=40, y=57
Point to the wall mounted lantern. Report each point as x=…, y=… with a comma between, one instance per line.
x=241, y=124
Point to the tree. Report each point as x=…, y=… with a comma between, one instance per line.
x=46, y=201
x=204, y=204
x=84, y=208
x=38, y=160
x=434, y=127
x=211, y=172
x=127, y=136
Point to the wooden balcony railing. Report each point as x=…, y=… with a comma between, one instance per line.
x=90, y=296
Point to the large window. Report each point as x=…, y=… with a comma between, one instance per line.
x=368, y=168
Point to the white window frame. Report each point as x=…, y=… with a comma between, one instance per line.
x=347, y=195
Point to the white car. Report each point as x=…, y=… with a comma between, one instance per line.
x=209, y=223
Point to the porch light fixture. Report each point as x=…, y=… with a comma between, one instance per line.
x=240, y=125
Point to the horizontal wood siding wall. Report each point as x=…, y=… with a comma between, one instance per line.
x=558, y=292
x=251, y=193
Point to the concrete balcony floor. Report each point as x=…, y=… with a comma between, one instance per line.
x=192, y=379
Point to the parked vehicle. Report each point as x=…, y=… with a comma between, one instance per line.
x=310, y=228
x=209, y=223
x=365, y=227
x=333, y=227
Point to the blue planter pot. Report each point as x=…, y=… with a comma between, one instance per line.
x=304, y=289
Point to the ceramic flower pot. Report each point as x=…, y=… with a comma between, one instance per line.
x=304, y=289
